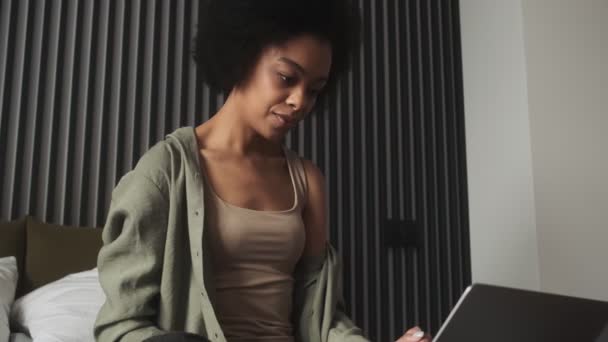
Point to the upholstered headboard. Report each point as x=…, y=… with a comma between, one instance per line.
x=46, y=252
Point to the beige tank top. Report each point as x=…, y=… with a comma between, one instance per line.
x=254, y=253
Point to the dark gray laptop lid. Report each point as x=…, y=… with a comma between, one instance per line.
x=501, y=314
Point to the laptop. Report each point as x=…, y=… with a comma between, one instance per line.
x=501, y=314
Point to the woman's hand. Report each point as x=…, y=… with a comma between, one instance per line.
x=415, y=334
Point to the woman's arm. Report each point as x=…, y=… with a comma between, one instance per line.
x=130, y=261
x=315, y=211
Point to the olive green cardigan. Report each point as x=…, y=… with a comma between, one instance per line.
x=155, y=270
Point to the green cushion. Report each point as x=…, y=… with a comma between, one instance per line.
x=54, y=251
x=12, y=243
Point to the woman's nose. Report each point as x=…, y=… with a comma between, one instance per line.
x=297, y=100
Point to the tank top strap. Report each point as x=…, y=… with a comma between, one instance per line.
x=295, y=162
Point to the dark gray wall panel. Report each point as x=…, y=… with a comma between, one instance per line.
x=86, y=87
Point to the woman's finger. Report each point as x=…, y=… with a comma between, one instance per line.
x=413, y=330
x=414, y=334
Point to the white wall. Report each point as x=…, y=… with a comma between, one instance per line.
x=567, y=58
x=536, y=80
x=501, y=200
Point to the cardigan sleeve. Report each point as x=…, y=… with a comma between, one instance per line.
x=130, y=261
x=318, y=313
x=341, y=328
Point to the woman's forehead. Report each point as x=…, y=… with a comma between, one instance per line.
x=307, y=53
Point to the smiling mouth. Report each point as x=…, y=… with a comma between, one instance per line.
x=284, y=120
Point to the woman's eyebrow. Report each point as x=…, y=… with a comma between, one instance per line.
x=293, y=63
x=299, y=67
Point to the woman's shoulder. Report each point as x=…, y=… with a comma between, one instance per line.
x=308, y=167
x=168, y=157
x=294, y=155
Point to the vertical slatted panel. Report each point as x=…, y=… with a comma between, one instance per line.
x=86, y=87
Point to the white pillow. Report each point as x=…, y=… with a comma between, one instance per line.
x=62, y=311
x=8, y=284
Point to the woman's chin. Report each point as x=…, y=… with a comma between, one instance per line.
x=276, y=136
x=277, y=132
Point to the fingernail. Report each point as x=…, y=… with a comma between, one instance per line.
x=419, y=334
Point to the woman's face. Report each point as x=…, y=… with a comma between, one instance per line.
x=283, y=86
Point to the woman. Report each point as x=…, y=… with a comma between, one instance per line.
x=219, y=231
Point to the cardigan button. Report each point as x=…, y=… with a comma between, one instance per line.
x=196, y=213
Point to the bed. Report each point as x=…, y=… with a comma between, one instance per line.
x=55, y=289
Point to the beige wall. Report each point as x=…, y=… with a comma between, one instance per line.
x=567, y=71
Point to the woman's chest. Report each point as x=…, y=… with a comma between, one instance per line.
x=254, y=185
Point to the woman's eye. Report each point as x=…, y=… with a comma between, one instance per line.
x=285, y=78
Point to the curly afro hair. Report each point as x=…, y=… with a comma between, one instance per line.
x=233, y=33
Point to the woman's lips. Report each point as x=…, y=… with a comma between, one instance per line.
x=283, y=120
